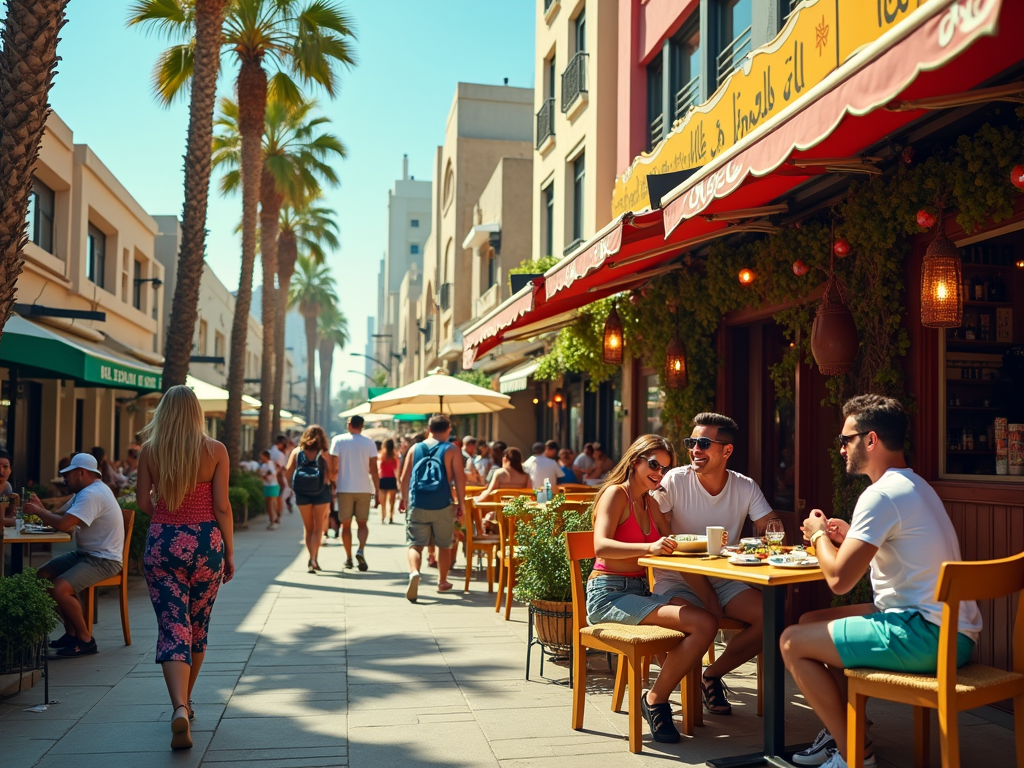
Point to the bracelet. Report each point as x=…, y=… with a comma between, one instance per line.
x=815, y=536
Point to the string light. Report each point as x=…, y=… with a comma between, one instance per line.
x=747, y=276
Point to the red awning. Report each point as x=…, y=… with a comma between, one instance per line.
x=840, y=118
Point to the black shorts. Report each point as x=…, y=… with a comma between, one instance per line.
x=389, y=483
x=323, y=497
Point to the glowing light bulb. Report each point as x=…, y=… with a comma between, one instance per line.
x=678, y=365
x=941, y=292
x=613, y=341
x=746, y=276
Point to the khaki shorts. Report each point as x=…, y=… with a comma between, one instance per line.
x=422, y=524
x=82, y=570
x=355, y=505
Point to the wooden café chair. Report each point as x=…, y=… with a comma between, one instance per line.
x=121, y=580
x=950, y=690
x=632, y=643
x=478, y=541
x=502, y=553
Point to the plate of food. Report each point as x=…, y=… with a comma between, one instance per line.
x=691, y=542
x=37, y=529
x=794, y=560
x=746, y=560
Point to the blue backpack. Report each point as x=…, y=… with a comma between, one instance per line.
x=430, y=487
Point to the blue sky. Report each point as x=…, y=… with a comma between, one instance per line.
x=411, y=53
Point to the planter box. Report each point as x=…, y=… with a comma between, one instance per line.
x=553, y=624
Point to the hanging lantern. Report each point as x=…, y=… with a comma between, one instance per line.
x=747, y=276
x=925, y=219
x=800, y=268
x=675, y=364
x=1017, y=176
x=841, y=249
x=942, y=303
x=613, y=338
x=558, y=397
x=834, y=339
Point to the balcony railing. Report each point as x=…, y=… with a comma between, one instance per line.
x=546, y=121
x=547, y=5
x=686, y=97
x=574, y=80
x=733, y=54
x=572, y=246
x=657, y=131
x=790, y=5
x=445, y=296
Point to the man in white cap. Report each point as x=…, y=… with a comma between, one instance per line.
x=96, y=514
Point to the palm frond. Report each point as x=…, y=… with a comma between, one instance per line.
x=172, y=74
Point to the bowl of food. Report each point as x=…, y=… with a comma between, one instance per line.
x=691, y=542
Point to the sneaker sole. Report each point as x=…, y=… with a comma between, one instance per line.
x=413, y=590
x=362, y=562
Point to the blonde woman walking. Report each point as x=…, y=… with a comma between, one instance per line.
x=183, y=487
x=310, y=478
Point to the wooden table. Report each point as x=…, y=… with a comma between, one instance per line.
x=773, y=582
x=17, y=553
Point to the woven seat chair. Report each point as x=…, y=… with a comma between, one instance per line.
x=632, y=643
x=950, y=690
x=478, y=541
x=120, y=581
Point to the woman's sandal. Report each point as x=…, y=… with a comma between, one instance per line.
x=181, y=735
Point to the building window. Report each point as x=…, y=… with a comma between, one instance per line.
x=655, y=107
x=492, y=268
x=551, y=79
x=548, y=218
x=446, y=263
x=580, y=31
x=578, y=174
x=415, y=223
x=137, y=286
x=95, y=256
x=735, y=24
x=40, y=215
x=449, y=184
x=414, y=249
x=218, y=349
x=202, y=337
x=684, y=49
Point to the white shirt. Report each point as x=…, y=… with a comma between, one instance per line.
x=903, y=516
x=268, y=472
x=354, y=453
x=583, y=462
x=693, y=509
x=541, y=468
x=101, y=533
x=277, y=456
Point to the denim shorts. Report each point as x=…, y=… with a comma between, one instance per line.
x=620, y=599
x=726, y=589
x=897, y=641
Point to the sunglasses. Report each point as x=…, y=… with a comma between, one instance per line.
x=844, y=440
x=654, y=465
x=700, y=442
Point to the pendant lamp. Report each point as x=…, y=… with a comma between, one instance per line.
x=613, y=338
x=942, y=300
x=675, y=364
x=834, y=339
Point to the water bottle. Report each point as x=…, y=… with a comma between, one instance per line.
x=547, y=490
x=19, y=515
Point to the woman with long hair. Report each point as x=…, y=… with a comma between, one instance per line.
x=628, y=525
x=310, y=478
x=387, y=468
x=183, y=487
x=511, y=474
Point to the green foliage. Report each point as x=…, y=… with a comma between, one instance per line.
x=27, y=612
x=239, y=500
x=477, y=377
x=253, y=487
x=544, y=573
x=534, y=266
x=140, y=531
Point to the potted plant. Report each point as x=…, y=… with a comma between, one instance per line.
x=27, y=615
x=544, y=579
x=239, y=500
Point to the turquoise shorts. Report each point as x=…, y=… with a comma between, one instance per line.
x=271, y=491
x=896, y=642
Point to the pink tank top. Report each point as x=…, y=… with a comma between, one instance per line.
x=196, y=507
x=630, y=532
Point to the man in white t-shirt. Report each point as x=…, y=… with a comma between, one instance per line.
x=354, y=462
x=543, y=465
x=585, y=461
x=902, y=532
x=96, y=515
x=705, y=492
x=279, y=455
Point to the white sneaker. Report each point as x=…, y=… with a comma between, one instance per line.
x=818, y=752
x=413, y=590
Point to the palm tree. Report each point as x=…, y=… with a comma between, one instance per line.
x=312, y=290
x=295, y=162
x=305, y=38
x=198, y=58
x=332, y=330
x=308, y=229
x=27, y=65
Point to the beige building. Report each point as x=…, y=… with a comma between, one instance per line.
x=84, y=343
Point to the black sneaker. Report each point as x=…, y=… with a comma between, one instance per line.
x=817, y=753
x=361, y=560
x=78, y=648
x=713, y=692
x=63, y=641
x=348, y=563
x=659, y=717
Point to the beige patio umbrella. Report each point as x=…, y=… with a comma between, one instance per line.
x=440, y=393
x=363, y=409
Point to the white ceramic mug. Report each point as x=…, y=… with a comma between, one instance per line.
x=718, y=537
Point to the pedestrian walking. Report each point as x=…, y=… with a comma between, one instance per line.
x=271, y=490
x=427, y=484
x=354, y=463
x=279, y=452
x=183, y=487
x=310, y=474
x=387, y=467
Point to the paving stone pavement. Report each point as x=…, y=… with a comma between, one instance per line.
x=339, y=669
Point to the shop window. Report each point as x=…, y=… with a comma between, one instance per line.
x=548, y=217
x=137, y=289
x=984, y=370
x=40, y=215
x=95, y=256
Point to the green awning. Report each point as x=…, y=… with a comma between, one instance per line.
x=44, y=353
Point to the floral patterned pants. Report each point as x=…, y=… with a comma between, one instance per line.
x=183, y=565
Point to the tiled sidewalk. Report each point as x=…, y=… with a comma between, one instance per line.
x=338, y=669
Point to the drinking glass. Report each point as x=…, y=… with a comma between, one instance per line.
x=775, y=533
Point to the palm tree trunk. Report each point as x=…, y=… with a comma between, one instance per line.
x=209, y=18
x=326, y=352
x=287, y=253
x=252, y=105
x=311, y=338
x=27, y=65
x=270, y=209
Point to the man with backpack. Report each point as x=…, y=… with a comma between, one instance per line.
x=427, y=484
x=354, y=463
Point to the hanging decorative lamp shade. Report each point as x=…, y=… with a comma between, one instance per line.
x=675, y=364
x=613, y=338
x=942, y=301
x=834, y=339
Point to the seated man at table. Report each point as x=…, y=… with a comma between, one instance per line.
x=900, y=530
x=705, y=492
x=602, y=466
x=95, y=513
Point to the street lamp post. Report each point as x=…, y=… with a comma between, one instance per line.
x=374, y=359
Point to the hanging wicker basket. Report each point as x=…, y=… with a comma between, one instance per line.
x=834, y=339
x=553, y=623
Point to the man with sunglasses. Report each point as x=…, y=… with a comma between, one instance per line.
x=703, y=493
x=902, y=532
